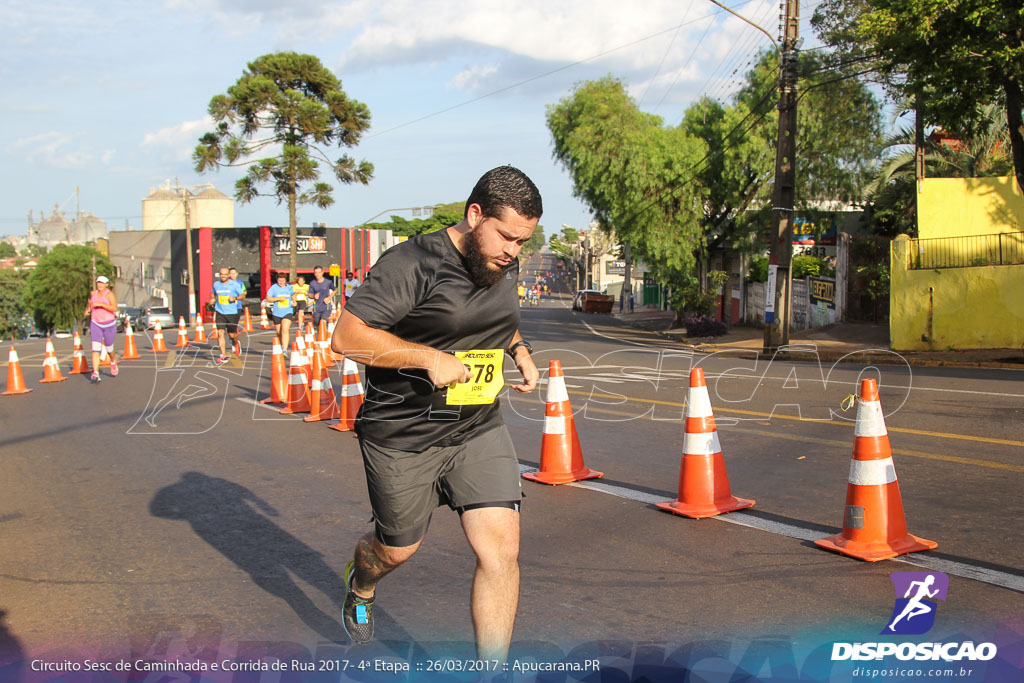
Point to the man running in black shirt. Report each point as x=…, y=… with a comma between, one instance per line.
x=430, y=428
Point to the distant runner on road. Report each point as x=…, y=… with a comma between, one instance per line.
x=430, y=429
x=225, y=296
x=102, y=309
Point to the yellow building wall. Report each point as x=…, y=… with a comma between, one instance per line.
x=954, y=308
x=954, y=207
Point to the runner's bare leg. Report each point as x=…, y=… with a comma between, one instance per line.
x=493, y=533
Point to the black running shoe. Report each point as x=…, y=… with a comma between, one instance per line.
x=357, y=612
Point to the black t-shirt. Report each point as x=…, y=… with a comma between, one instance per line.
x=421, y=291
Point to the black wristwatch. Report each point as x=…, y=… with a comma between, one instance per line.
x=522, y=342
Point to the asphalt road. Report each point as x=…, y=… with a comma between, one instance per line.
x=163, y=513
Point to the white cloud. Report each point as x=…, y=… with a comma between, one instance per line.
x=469, y=78
x=177, y=142
x=50, y=149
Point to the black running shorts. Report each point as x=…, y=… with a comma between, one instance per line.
x=406, y=486
x=228, y=323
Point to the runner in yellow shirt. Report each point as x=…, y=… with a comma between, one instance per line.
x=301, y=297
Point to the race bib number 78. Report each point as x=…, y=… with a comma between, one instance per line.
x=487, y=378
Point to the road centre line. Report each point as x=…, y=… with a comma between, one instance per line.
x=753, y=413
x=961, y=569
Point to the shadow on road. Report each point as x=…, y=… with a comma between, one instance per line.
x=222, y=514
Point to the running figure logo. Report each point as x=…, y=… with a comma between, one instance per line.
x=914, y=613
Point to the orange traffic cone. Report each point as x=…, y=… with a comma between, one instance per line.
x=310, y=342
x=80, y=364
x=200, y=330
x=323, y=343
x=130, y=350
x=703, y=482
x=298, y=385
x=561, y=457
x=159, y=346
x=351, y=398
x=248, y=320
x=278, y=376
x=15, y=380
x=214, y=333
x=182, y=333
x=264, y=322
x=51, y=369
x=323, y=404
x=874, y=526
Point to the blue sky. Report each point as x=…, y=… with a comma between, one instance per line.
x=111, y=97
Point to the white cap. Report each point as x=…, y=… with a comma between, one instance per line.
x=103, y=279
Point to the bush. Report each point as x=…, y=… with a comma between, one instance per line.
x=704, y=326
x=758, y=271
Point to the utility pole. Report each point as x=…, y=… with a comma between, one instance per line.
x=188, y=248
x=778, y=295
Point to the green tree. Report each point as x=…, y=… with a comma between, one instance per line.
x=7, y=250
x=12, y=306
x=839, y=123
x=33, y=251
x=634, y=173
x=59, y=287
x=535, y=243
x=291, y=105
x=958, y=55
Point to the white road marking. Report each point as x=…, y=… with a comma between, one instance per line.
x=961, y=569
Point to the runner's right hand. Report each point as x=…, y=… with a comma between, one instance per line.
x=448, y=370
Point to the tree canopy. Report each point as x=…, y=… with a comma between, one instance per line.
x=12, y=308
x=7, y=250
x=838, y=126
x=958, y=55
x=59, y=287
x=633, y=172
x=291, y=107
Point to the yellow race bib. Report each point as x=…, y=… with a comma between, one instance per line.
x=281, y=304
x=487, y=379
x=223, y=300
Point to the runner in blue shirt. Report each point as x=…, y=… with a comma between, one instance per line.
x=225, y=300
x=282, y=311
x=322, y=291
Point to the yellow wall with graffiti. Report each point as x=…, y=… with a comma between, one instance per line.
x=953, y=207
x=980, y=307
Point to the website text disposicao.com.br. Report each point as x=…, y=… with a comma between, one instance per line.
x=868, y=672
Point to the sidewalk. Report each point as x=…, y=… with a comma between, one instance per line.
x=834, y=342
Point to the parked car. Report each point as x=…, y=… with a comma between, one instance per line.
x=577, y=299
x=130, y=313
x=149, y=319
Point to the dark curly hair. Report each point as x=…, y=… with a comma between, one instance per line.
x=506, y=186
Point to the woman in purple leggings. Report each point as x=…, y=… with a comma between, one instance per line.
x=102, y=307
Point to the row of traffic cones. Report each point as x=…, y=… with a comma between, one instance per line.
x=874, y=524
x=305, y=386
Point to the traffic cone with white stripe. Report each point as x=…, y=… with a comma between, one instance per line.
x=264, y=322
x=298, y=385
x=80, y=364
x=351, y=398
x=874, y=526
x=248, y=320
x=561, y=457
x=182, y=333
x=324, y=344
x=130, y=350
x=200, y=330
x=703, y=482
x=323, y=405
x=15, y=380
x=278, y=376
x=159, y=346
x=51, y=369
